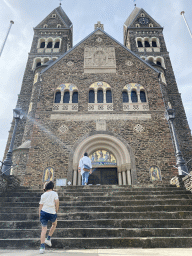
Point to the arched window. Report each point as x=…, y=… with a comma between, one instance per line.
x=139, y=44
x=125, y=97
x=159, y=63
x=57, y=44
x=42, y=45
x=75, y=97
x=142, y=96
x=38, y=64
x=91, y=96
x=134, y=96
x=50, y=44
x=57, y=97
x=147, y=43
x=99, y=96
x=108, y=96
x=154, y=44
x=66, y=97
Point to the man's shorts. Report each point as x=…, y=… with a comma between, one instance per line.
x=45, y=217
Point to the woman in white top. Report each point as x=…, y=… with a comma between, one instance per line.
x=48, y=208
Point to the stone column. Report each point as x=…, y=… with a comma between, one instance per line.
x=129, y=177
x=95, y=96
x=119, y=176
x=104, y=96
x=79, y=179
x=74, y=177
x=124, y=178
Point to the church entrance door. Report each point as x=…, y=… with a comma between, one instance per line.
x=104, y=176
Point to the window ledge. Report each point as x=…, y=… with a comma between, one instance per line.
x=65, y=106
x=100, y=106
x=135, y=106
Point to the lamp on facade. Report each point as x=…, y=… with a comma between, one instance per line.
x=180, y=162
x=6, y=168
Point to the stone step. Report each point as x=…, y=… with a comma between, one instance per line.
x=104, y=188
x=92, y=243
x=79, y=209
x=98, y=232
x=104, y=203
x=96, y=193
x=103, y=223
x=98, y=198
x=100, y=215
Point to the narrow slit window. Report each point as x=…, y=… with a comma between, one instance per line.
x=125, y=97
x=66, y=97
x=147, y=44
x=134, y=96
x=139, y=44
x=154, y=44
x=38, y=64
x=75, y=97
x=143, y=96
x=108, y=96
x=91, y=96
x=57, y=44
x=57, y=97
x=50, y=45
x=99, y=96
x=42, y=45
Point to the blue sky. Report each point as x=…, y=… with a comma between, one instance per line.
x=84, y=14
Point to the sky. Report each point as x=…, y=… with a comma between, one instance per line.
x=27, y=14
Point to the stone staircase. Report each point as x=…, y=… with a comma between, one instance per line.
x=101, y=217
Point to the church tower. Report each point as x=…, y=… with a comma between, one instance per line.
x=144, y=36
x=52, y=38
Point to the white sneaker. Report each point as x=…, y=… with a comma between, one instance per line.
x=48, y=242
x=42, y=250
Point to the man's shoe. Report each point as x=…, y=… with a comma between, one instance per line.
x=48, y=242
x=42, y=250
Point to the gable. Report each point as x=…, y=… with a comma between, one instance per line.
x=56, y=17
x=100, y=58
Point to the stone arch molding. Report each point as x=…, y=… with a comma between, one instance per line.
x=123, y=154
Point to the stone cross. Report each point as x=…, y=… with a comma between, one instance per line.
x=99, y=25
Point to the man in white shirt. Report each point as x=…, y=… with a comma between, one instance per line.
x=48, y=208
x=83, y=163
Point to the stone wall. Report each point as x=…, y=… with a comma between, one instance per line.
x=8, y=182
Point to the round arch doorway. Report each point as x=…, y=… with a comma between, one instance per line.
x=125, y=160
x=104, y=171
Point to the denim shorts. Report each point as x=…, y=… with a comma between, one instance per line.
x=45, y=217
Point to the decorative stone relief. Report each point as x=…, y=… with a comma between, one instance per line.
x=99, y=60
x=129, y=63
x=63, y=129
x=138, y=128
x=99, y=39
x=70, y=63
x=101, y=125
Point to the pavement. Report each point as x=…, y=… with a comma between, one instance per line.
x=102, y=252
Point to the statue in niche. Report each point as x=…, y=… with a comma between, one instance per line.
x=48, y=174
x=155, y=173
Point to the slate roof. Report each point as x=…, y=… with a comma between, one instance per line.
x=61, y=14
x=133, y=16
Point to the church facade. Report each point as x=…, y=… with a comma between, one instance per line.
x=102, y=97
